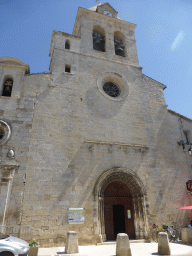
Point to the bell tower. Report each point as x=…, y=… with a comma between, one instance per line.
x=98, y=32
x=103, y=34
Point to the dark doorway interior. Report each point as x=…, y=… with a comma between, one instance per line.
x=118, y=219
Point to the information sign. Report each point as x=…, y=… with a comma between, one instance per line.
x=76, y=215
x=129, y=214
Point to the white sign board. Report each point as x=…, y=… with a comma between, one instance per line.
x=129, y=214
x=76, y=215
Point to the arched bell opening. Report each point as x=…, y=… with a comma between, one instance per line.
x=7, y=86
x=119, y=192
x=98, y=38
x=67, y=44
x=119, y=43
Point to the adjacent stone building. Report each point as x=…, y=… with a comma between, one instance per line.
x=90, y=146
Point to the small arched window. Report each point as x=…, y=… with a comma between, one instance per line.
x=67, y=44
x=119, y=42
x=98, y=39
x=7, y=87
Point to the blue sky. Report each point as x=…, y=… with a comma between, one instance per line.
x=163, y=37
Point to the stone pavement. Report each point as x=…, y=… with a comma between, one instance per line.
x=137, y=249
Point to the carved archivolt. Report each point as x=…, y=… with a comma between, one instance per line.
x=119, y=174
x=5, y=132
x=139, y=195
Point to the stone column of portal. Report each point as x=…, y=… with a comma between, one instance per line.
x=122, y=245
x=141, y=220
x=135, y=216
x=145, y=217
x=99, y=218
x=139, y=216
x=102, y=220
x=71, y=243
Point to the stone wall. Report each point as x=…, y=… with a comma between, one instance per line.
x=18, y=114
x=67, y=133
x=78, y=134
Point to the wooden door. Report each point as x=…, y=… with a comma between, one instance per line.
x=118, y=211
x=109, y=227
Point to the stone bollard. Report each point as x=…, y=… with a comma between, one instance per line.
x=186, y=235
x=122, y=245
x=71, y=243
x=163, y=244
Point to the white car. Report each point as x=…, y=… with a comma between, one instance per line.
x=13, y=246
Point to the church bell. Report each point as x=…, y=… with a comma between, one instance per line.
x=119, y=47
x=98, y=42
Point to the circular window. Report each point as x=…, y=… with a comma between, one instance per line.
x=5, y=132
x=111, y=89
x=2, y=133
x=113, y=86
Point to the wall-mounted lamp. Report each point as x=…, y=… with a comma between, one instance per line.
x=182, y=143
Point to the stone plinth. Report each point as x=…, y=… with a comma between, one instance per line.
x=71, y=243
x=122, y=245
x=163, y=244
x=186, y=235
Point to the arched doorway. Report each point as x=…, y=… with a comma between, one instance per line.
x=118, y=211
x=131, y=185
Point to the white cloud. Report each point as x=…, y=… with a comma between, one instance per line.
x=178, y=40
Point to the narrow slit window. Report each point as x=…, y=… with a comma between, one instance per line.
x=186, y=133
x=7, y=87
x=68, y=68
x=67, y=45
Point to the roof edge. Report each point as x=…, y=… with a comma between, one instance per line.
x=162, y=85
x=15, y=61
x=177, y=114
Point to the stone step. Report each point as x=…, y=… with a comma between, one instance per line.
x=130, y=241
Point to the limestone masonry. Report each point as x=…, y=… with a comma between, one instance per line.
x=90, y=146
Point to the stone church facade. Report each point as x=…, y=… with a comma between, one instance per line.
x=91, y=138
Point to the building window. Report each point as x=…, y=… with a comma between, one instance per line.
x=7, y=87
x=67, y=44
x=68, y=68
x=186, y=133
x=98, y=39
x=2, y=133
x=111, y=89
x=119, y=44
x=113, y=86
x=5, y=132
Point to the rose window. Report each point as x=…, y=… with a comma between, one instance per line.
x=111, y=89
